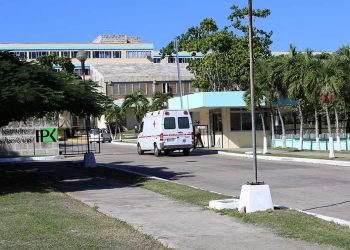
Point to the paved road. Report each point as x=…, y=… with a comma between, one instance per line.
x=315, y=188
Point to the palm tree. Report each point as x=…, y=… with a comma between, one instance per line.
x=263, y=95
x=277, y=88
x=137, y=101
x=325, y=76
x=313, y=92
x=294, y=79
x=342, y=61
x=114, y=114
x=160, y=100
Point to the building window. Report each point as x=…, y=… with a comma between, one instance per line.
x=184, y=59
x=117, y=54
x=166, y=88
x=65, y=54
x=156, y=60
x=36, y=54
x=138, y=54
x=240, y=120
x=22, y=55
x=79, y=71
x=102, y=54
x=74, y=54
x=54, y=53
x=172, y=59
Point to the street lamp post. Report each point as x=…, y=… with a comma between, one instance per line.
x=82, y=55
x=176, y=48
x=89, y=158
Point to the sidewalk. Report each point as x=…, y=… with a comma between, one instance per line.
x=175, y=224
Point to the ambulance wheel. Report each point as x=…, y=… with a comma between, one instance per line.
x=156, y=151
x=139, y=150
x=167, y=152
x=186, y=152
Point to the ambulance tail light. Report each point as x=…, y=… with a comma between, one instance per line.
x=185, y=113
x=167, y=113
x=161, y=137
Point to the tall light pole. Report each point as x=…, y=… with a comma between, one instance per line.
x=176, y=48
x=252, y=99
x=82, y=55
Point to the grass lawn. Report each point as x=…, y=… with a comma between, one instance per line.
x=287, y=223
x=35, y=216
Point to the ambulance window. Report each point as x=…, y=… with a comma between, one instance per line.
x=169, y=123
x=183, y=122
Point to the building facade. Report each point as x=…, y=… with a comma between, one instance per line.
x=121, y=64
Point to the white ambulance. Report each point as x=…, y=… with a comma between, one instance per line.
x=166, y=130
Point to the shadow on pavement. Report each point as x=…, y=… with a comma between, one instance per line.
x=51, y=176
x=161, y=172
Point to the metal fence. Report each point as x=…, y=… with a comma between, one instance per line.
x=78, y=144
x=309, y=141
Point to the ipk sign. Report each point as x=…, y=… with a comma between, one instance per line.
x=46, y=135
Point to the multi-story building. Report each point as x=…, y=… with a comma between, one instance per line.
x=121, y=64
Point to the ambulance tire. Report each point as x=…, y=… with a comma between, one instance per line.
x=186, y=152
x=157, y=152
x=139, y=150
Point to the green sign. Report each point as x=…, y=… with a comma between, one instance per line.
x=47, y=135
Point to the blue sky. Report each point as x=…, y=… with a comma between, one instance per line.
x=319, y=25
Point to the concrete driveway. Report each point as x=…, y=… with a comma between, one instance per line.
x=319, y=189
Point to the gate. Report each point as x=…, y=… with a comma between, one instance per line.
x=78, y=143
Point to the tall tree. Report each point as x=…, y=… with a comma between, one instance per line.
x=262, y=95
x=278, y=90
x=114, y=114
x=327, y=79
x=53, y=60
x=225, y=64
x=294, y=80
x=313, y=87
x=31, y=90
x=137, y=101
x=160, y=100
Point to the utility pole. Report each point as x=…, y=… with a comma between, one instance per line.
x=252, y=101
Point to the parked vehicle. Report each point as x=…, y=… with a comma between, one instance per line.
x=99, y=135
x=166, y=130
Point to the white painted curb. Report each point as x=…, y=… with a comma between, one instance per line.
x=224, y=204
x=124, y=143
x=25, y=159
x=289, y=159
x=327, y=218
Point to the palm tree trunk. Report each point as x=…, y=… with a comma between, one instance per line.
x=273, y=138
x=109, y=127
x=120, y=133
x=317, y=131
x=283, y=128
x=337, y=129
x=115, y=130
x=330, y=138
x=301, y=136
x=264, y=133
